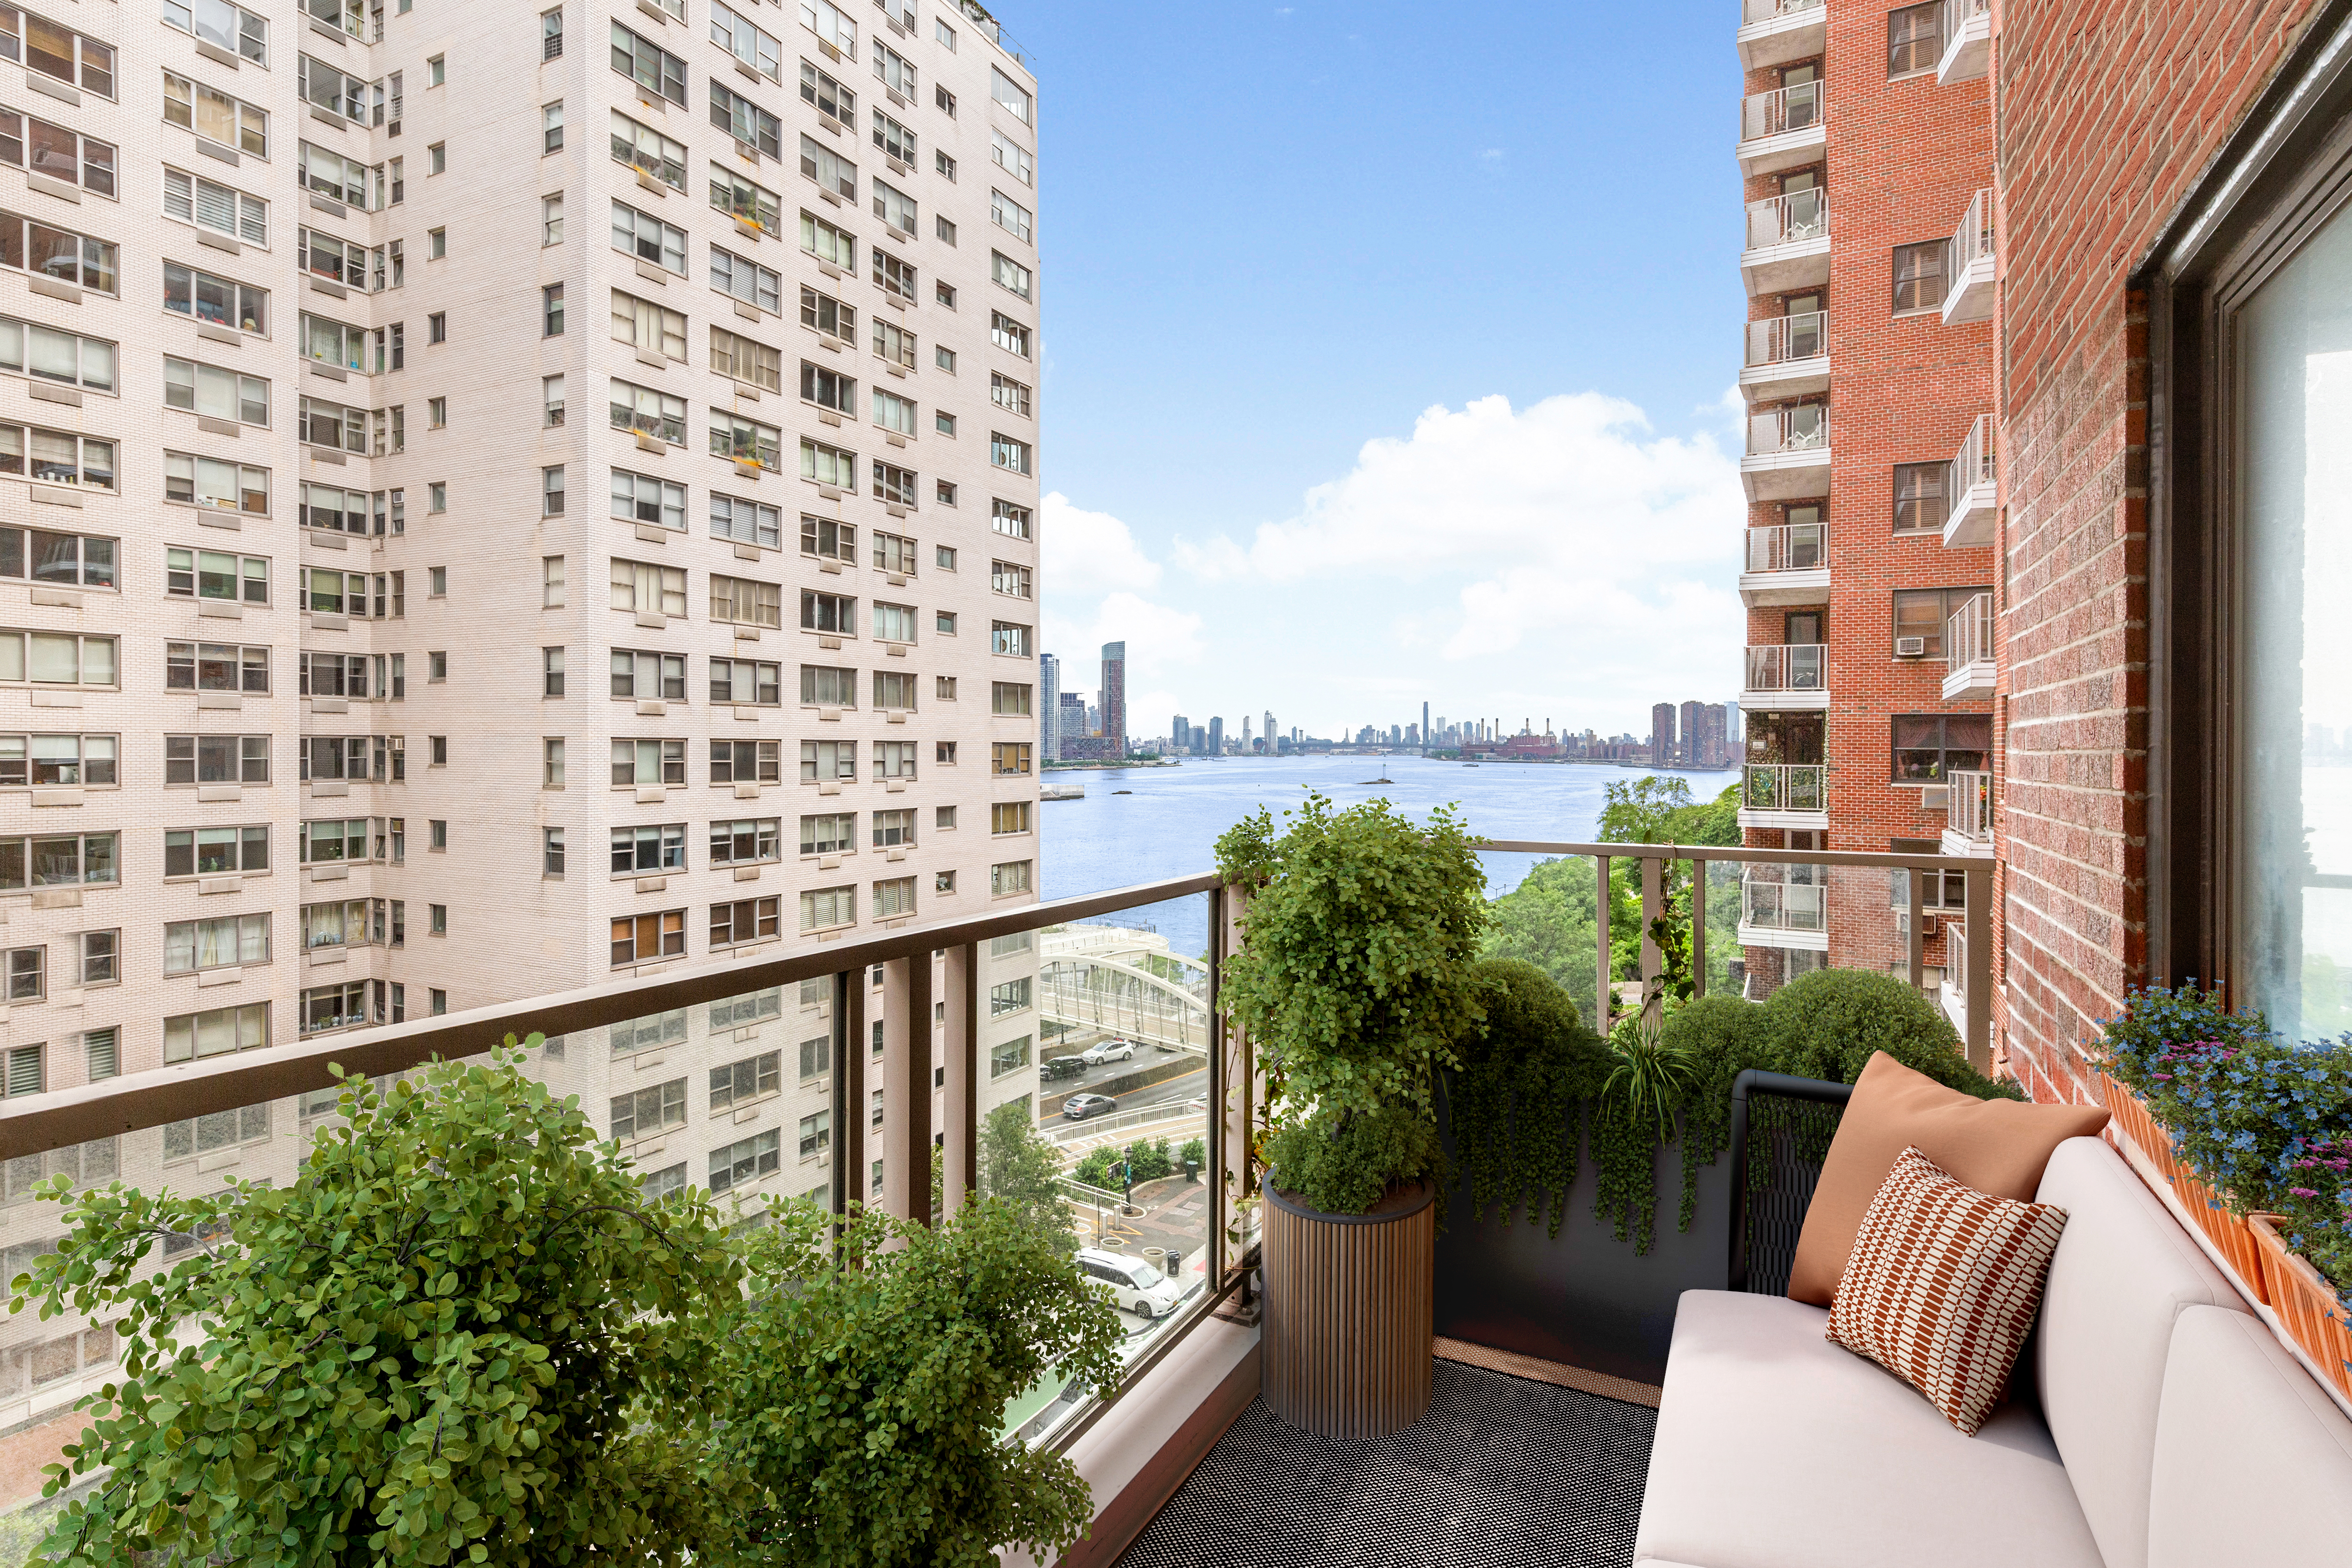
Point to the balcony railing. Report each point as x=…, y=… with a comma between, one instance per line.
x=1968, y=636
x=1778, y=340
x=1971, y=805
x=1789, y=218
x=1754, y=11
x=1787, y=667
x=1967, y=40
x=1784, y=786
x=1804, y=429
x=1789, y=547
x=1969, y=268
x=1973, y=488
x=1784, y=898
x=1780, y=110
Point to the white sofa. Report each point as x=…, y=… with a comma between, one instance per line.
x=2166, y=1427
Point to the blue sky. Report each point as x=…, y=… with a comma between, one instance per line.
x=1387, y=351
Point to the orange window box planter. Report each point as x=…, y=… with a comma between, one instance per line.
x=2305, y=1303
x=2228, y=1232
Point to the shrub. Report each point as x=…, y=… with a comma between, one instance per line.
x=1196, y=1151
x=1826, y=1025
x=1149, y=1161
x=1345, y=1165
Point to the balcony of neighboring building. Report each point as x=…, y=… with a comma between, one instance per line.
x=1969, y=266
x=1775, y=32
x=1788, y=243
x=1967, y=41
x=1787, y=355
x=1784, y=796
x=1781, y=128
x=1787, y=562
x=1973, y=489
x=1968, y=651
x=1784, y=906
x=1968, y=802
x=1788, y=456
x=1781, y=677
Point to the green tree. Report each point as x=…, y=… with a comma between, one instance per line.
x=453, y=1338
x=1550, y=921
x=856, y=1394
x=1020, y=1166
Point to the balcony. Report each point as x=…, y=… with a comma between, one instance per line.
x=1782, y=677
x=1788, y=456
x=1968, y=650
x=1788, y=245
x=1968, y=265
x=1967, y=41
x=1787, y=356
x=1777, y=32
x=1781, y=129
x=1784, y=906
x=1784, y=794
x=1968, y=524
x=1969, y=829
x=1787, y=563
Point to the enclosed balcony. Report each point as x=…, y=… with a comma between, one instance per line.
x=1787, y=563
x=1781, y=675
x=1777, y=32
x=1784, y=906
x=1784, y=794
x=1969, y=799
x=1973, y=490
x=1968, y=265
x=1788, y=456
x=1788, y=243
x=1781, y=128
x=1968, y=650
x=1967, y=40
x=1787, y=356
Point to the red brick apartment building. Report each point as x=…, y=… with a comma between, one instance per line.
x=2137, y=380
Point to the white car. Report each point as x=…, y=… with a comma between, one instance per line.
x=1103, y=1051
x=1132, y=1283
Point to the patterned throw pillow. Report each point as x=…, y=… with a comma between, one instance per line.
x=1943, y=1284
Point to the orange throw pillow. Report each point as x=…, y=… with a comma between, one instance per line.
x=1943, y=1286
x=1997, y=1146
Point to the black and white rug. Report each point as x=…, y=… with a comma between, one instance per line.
x=1502, y=1473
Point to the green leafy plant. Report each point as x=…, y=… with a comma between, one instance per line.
x=1519, y=1077
x=1652, y=1077
x=1346, y=1164
x=856, y=1391
x=456, y=1337
x=1195, y=1153
x=1020, y=1166
x=1150, y=1159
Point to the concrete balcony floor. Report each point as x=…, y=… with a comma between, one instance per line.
x=1503, y=1471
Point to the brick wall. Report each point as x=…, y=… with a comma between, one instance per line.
x=2107, y=111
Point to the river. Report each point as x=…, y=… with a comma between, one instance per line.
x=1169, y=823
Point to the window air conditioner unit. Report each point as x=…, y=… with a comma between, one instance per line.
x=1910, y=647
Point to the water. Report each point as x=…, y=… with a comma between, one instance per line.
x=1168, y=826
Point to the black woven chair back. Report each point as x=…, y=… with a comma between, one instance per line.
x=1780, y=1132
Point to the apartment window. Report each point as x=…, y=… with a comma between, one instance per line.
x=1919, y=273
x=755, y=1158
x=944, y=99
x=740, y=601
x=336, y=260
x=1013, y=337
x=944, y=754
x=823, y=761
x=894, y=623
x=334, y=675
x=648, y=238
x=745, y=761
x=893, y=413
x=328, y=87
x=648, y=763
x=832, y=833
x=88, y=759
x=550, y=662
x=894, y=759
x=436, y=161
x=1010, y=95
x=747, y=42
x=750, y=842
x=551, y=311
x=832, y=245
x=824, y=907
x=436, y=71
x=1011, y=521
x=1009, y=757
x=746, y=441
x=646, y=1111
x=550, y=117
x=551, y=487
x=98, y=957
x=894, y=898
x=216, y=759
x=642, y=851
x=897, y=211
x=832, y=172
x=58, y=658
x=1011, y=156
x=552, y=756
x=746, y=280
x=896, y=140
x=894, y=344
x=55, y=457
x=209, y=205
x=829, y=466
x=332, y=425
x=222, y=851
x=894, y=829
x=647, y=327
x=753, y=1077
x=894, y=485
x=894, y=692
x=746, y=201
x=226, y=942
x=1915, y=38
x=648, y=676
x=944, y=623
x=642, y=497
x=1005, y=577
x=59, y=151
x=399, y=184
x=46, y=354
x=1919, y=497
x=828, y=540
x=892, y=275
x=1007, y=394
x=750, y=125
x=651, y=153
x=1928, y=747
x=826, y=686
x=744, y=920
x=66, y=560
x=1013, y=1055
x=641, y=938
x=1009, y=817
x=214, y=575
x=827, y=316
x=550, y=219
x=653, y=69
x=1005, y=452
x=216, y=1032
x=895, y=553
x=746, y=521
x=897, y=73
x=644, y=588
x=1010, y=215
x=816, y=1056
x=649, y=412
x=1008, y=877
x=224, y=26
x=436, y=325
x=326, y=173
x=1923, y=614
x=55, y=253
x=746, y=681
x=191, y=293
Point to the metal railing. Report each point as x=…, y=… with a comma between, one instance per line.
x=1784, y=786
x=1784, y=898
x=1804, y=429
x=1777, y=339
x=1971, y=242
x=1789, y=547
x=1958, y=14
x=1787, y=667
x=1968, y=636
x=1785, y=219
x=1797, y=107
x=1974, y=464
x=1754, y=11
x=1971, y=803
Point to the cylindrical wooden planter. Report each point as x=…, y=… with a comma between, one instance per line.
x=1350, y=1313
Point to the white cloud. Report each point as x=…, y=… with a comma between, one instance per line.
x=1084, y=553
x=1156, y=636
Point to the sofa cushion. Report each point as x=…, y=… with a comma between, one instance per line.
x=2123, y=1272
x=1776, y=1448
x=1996, y=1146
x=2254, y=1462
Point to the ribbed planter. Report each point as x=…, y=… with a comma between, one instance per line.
x=1350, y=1317
x=2228, y=1232
x=2305, y=1303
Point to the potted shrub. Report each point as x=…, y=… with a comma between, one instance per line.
x=1355, y=978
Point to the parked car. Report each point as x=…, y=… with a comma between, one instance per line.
x=1078, y=1107
x=1055, y=1068
x=1103, y=1051
x=1132, y=1284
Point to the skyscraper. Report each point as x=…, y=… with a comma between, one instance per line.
x=1216, y=737
x=1114, y=698
x=1661, y=734
x=1049, y=707
x=1693, y=734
